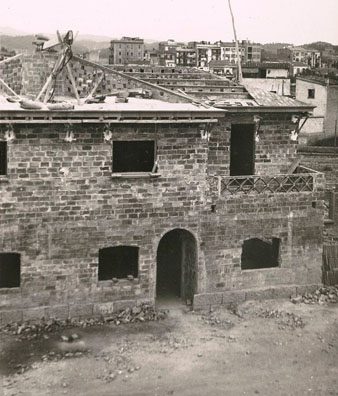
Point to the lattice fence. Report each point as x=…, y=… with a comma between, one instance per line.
x=262, y=184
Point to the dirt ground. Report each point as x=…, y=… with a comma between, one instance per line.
x=258, y=348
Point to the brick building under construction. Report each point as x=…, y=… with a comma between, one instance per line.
x=112, y=204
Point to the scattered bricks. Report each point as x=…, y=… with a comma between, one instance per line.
x=59, y=312
x=103, y=309
x=84, y=310
x=34, y=314
x=11, y=316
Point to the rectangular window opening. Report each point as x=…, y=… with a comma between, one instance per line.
x=10, y=264
x=242, y=150
x=133, y=156
x=258, y=253
x=311, y=93
x=3, y=158
x=118, y=262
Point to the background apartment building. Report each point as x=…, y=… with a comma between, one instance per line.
x=167, y=53
x=228, y=52
x=307, y=56
x=127, y=50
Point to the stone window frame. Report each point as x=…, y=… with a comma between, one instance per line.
x=136, y=174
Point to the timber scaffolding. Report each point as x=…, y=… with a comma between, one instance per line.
x=198, y=89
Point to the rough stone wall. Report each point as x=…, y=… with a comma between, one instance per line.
x=60, y=205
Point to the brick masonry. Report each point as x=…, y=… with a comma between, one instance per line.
x=59, y=205
x=28, y=74
x=324, y=159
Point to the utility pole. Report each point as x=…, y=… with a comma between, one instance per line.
x=239, y=67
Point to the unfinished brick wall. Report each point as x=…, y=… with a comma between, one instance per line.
x=28, y=75
x=325, y=161
x=60, y=205
x=11, y=73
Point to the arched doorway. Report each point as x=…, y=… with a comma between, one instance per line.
x=177, y=265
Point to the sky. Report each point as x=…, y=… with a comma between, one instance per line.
x=291, y=21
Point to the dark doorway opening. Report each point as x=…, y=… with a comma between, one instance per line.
x=177, y=265
x=9, y=270
x=118, y=262
x=257, y=253
x=242, y=150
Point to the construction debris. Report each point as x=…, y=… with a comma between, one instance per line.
x=213, y=320
x=29, y=331
x=325, y=294
x=284, y=319
x=144, y=313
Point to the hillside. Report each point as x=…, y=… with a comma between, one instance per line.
x=320, y=45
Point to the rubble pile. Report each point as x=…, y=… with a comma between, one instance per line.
x=213, y=320
x=29, y=331
x=143, y=313
x=284, y=319
x=325, y=294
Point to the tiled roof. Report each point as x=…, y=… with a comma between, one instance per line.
x=264, y=98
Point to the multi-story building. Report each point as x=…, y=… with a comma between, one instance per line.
x=111, y=205
x=299, y=54
x=205, y=52
x=253, y=52
x=152, y=57
x=167, y=53
x=228, y=52
x=185, y=56
x=126, y=51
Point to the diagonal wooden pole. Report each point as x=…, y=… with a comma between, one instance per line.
x=10, y=59
x=69, y=71
x=9, y=88
x=239, y=77
x=98, y=82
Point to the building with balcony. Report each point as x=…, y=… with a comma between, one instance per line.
x=311, y=57
x=109, y=205
x=167, y=53
x=185, y=56
x=229, y=54
x=128, y=50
